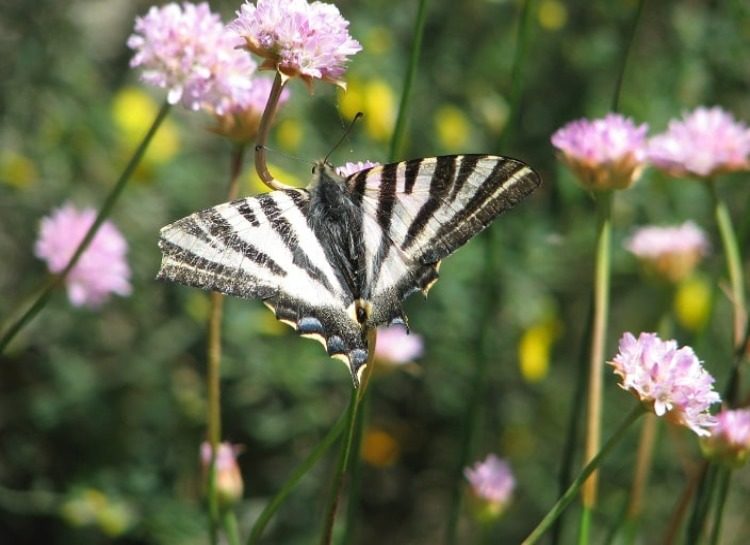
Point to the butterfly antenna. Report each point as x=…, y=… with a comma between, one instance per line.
x=343, y=136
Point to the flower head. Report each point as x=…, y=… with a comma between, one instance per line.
x=670, y=252
x=310, y=41
x=101, y=270
x=395, y=345
x=491, y=482
x=188, y=51
x=669, y=380
x=229, y=484
x=704, y=142
x=604, y=153
x=730, y=438
x=347, y=169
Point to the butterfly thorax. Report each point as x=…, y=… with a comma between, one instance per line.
x=336, y=222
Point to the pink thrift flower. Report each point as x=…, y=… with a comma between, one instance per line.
x=669, y=380
x=229, y=484
x=188, y=51
x=704, y=142
x=491, y=482
x=395, y=345
x=349, y=169
x=669, y=252
x=730, y=438
x=295, y=38
x=101, y=270
x=606, y=153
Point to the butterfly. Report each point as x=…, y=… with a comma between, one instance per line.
x=336, y=259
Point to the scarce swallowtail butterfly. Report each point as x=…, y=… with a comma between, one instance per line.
x=337, y=258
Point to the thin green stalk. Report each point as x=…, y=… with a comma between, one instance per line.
x=573, y=489
x=734, y=263
x=338, y=476
x=516, y=72
x=295, y=477
x=400, y=130
x=355, y=471
x=229, y=521
x=626, y=56
x=702, y=505
x=574, y=420
x=346, y=448
x=213, y=359
x=640, y=479
x=598, y=338
x=723, y=491
x=56, y=280
x=584, y=526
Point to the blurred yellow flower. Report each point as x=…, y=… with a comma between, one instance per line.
x=255, y=185
x=91, y=506
x=534, y=350
x=552, y=14
x=133, y=112
x=378, y=40
x=16, y=170
x=379, y=448
x=289, y=134
x=452, y=127
x=692, y=303
x=375, y=100
x=380, y=110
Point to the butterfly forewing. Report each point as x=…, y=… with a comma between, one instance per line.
x=418, y=212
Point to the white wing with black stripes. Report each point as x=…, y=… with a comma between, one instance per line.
x=338, y=258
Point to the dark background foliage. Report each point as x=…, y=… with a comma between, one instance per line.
x=102, y=412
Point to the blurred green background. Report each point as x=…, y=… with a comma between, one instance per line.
x=102, y=412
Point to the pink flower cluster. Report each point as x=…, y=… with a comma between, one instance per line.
x=669, y=380
x=188, y=51
x=704, y=142
x=311, y=41
x=229, y=483
x=672, y=252
x=101, y=270
x=347, y=169
x=609, y=153
x=730, y=439
x=491, y=480
x=605, y=153
x=395, y=345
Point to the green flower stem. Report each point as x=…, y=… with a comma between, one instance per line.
x=213, y=359
x=723, y=490
x=598, y=337
x=399, y=131
x=295, y=477
x=703, y=498
x=346, y=448
x=734, y=263
x=229, y=521
x=56, y=280
x=640, y=479
x=573, y=489
x=265, y=126
x=626, y=56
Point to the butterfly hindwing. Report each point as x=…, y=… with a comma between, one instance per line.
x=335, y=260
x=262, y=247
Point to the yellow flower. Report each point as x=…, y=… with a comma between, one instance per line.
x=379, y=448
x=552, y=14
x=16, y=170
x=375, y=100
x=452, y=127
x=289, y=134
x=692, y=303
x=534, y=350
x=133, y=112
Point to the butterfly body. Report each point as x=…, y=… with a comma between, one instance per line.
x=336, y=259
